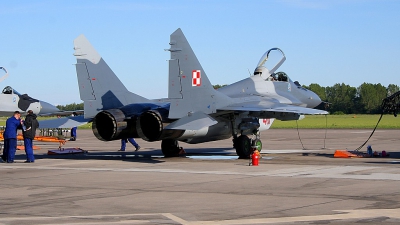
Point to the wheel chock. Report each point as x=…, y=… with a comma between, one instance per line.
x=349, y=154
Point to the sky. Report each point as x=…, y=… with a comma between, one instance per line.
x=325, y=42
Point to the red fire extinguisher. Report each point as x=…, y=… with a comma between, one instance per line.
x=255, y=158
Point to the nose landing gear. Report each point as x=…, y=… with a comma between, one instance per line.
x=244, y=144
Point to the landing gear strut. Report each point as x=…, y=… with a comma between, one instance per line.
x=170, y=148
x=257, y=143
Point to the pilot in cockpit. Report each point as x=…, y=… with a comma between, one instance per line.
x=261, y=70
x=282, y=77
x=264, y=73
x=7, y=90
x=271, y=77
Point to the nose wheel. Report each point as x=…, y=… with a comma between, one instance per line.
x=242, y=145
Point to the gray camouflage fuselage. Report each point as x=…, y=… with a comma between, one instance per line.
x=194, y=111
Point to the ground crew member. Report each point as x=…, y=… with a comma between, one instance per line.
x=31, y=125
x=73, y=130
x=10, y=137
x=73, y=134
x=132, y=141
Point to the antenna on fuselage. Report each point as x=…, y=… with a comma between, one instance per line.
x=249, y=72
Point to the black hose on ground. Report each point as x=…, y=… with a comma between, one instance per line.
x=390, y=105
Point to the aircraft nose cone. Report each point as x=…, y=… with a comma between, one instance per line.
x=46, y=108
x=314, y=100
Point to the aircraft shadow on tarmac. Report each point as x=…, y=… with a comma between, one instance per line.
x=152, y=156
x=385, y=162
x=318, y=154
x=392, y=155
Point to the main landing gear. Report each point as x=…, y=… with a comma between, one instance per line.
x=244, y=145
x=170, y=148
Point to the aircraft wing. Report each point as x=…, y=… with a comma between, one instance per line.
x=64, y=122
x=273, y=107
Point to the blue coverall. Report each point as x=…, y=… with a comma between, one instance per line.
x=73, y=132
x=10, y=139
x=131, y=140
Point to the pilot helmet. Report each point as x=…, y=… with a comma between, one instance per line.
x=261, y=70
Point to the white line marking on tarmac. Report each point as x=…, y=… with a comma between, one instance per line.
x=344, y=215
x=118, y=217
x=365, y=132
x=77, y=217
x=108, y=222
x=122, y=218
x=175, y=218
x=339, y=172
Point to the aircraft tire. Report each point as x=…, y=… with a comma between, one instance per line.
x=170, y=148
x=257, y=142
x=242, y=146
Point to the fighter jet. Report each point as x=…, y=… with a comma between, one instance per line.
x=194, y=111
x=11, y=101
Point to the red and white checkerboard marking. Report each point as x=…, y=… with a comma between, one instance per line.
x=196, y=78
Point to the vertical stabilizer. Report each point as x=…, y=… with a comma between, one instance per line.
x=189, y=87
x=99, y=87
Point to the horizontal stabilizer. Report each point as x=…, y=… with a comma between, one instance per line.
x=65, y=122
x=194, y=121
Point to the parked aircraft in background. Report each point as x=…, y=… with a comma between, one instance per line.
x=194, y=111
x=11, y=101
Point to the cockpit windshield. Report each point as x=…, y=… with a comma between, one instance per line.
x=9, y=90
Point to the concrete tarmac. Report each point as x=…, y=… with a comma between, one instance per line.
x=297, y=182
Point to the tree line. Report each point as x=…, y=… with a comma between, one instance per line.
x=341, y=98
x=71, y=107
x=344, y=99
